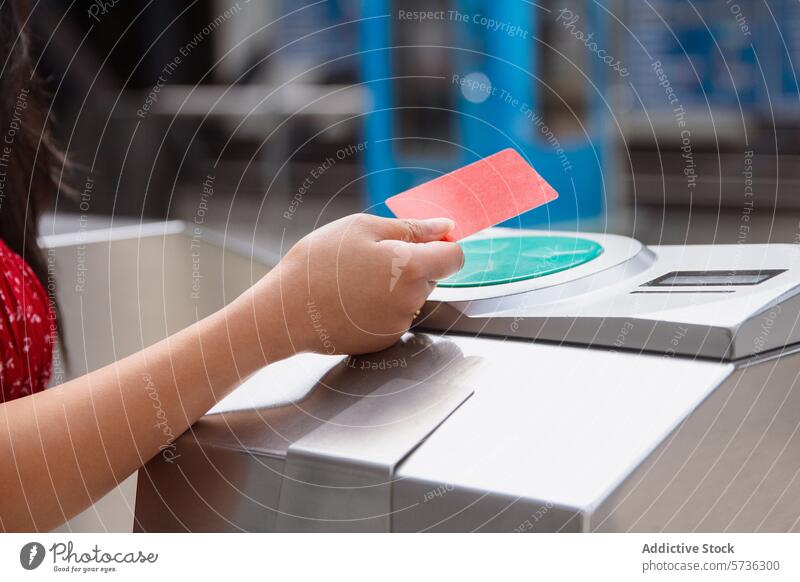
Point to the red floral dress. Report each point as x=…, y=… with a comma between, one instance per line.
x=27, y=329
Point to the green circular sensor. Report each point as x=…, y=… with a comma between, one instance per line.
x=494, y=261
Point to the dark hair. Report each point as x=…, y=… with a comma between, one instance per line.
x=32, y=170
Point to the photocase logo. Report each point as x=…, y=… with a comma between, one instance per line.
x=31, y=555
x=401, y=258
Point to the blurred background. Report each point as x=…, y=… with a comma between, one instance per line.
x=670, y=120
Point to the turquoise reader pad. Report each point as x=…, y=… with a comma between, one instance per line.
x=494, y=261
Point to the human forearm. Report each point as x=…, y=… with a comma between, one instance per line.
x=64, y=448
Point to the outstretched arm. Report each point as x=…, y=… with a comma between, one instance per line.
x=360, y=279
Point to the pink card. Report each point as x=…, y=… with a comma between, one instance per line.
x=477, y=196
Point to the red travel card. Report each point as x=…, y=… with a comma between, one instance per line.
x=477, y=196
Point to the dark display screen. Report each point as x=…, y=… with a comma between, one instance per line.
x=713, y=278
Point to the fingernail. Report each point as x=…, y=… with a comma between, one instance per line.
x=443, y=225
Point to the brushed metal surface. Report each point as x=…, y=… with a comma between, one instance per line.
x=733, y=465
x=208, y=488
x=550, y=432
x=340, y=476
x=548, y=426
x=232, y=463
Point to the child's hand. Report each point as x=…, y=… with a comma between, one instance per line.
x=354, y=285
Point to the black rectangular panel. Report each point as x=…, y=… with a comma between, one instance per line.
x=724, y=278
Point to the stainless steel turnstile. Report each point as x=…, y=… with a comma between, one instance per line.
x=662, y=395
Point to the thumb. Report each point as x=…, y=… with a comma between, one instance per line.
x=424, y=230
